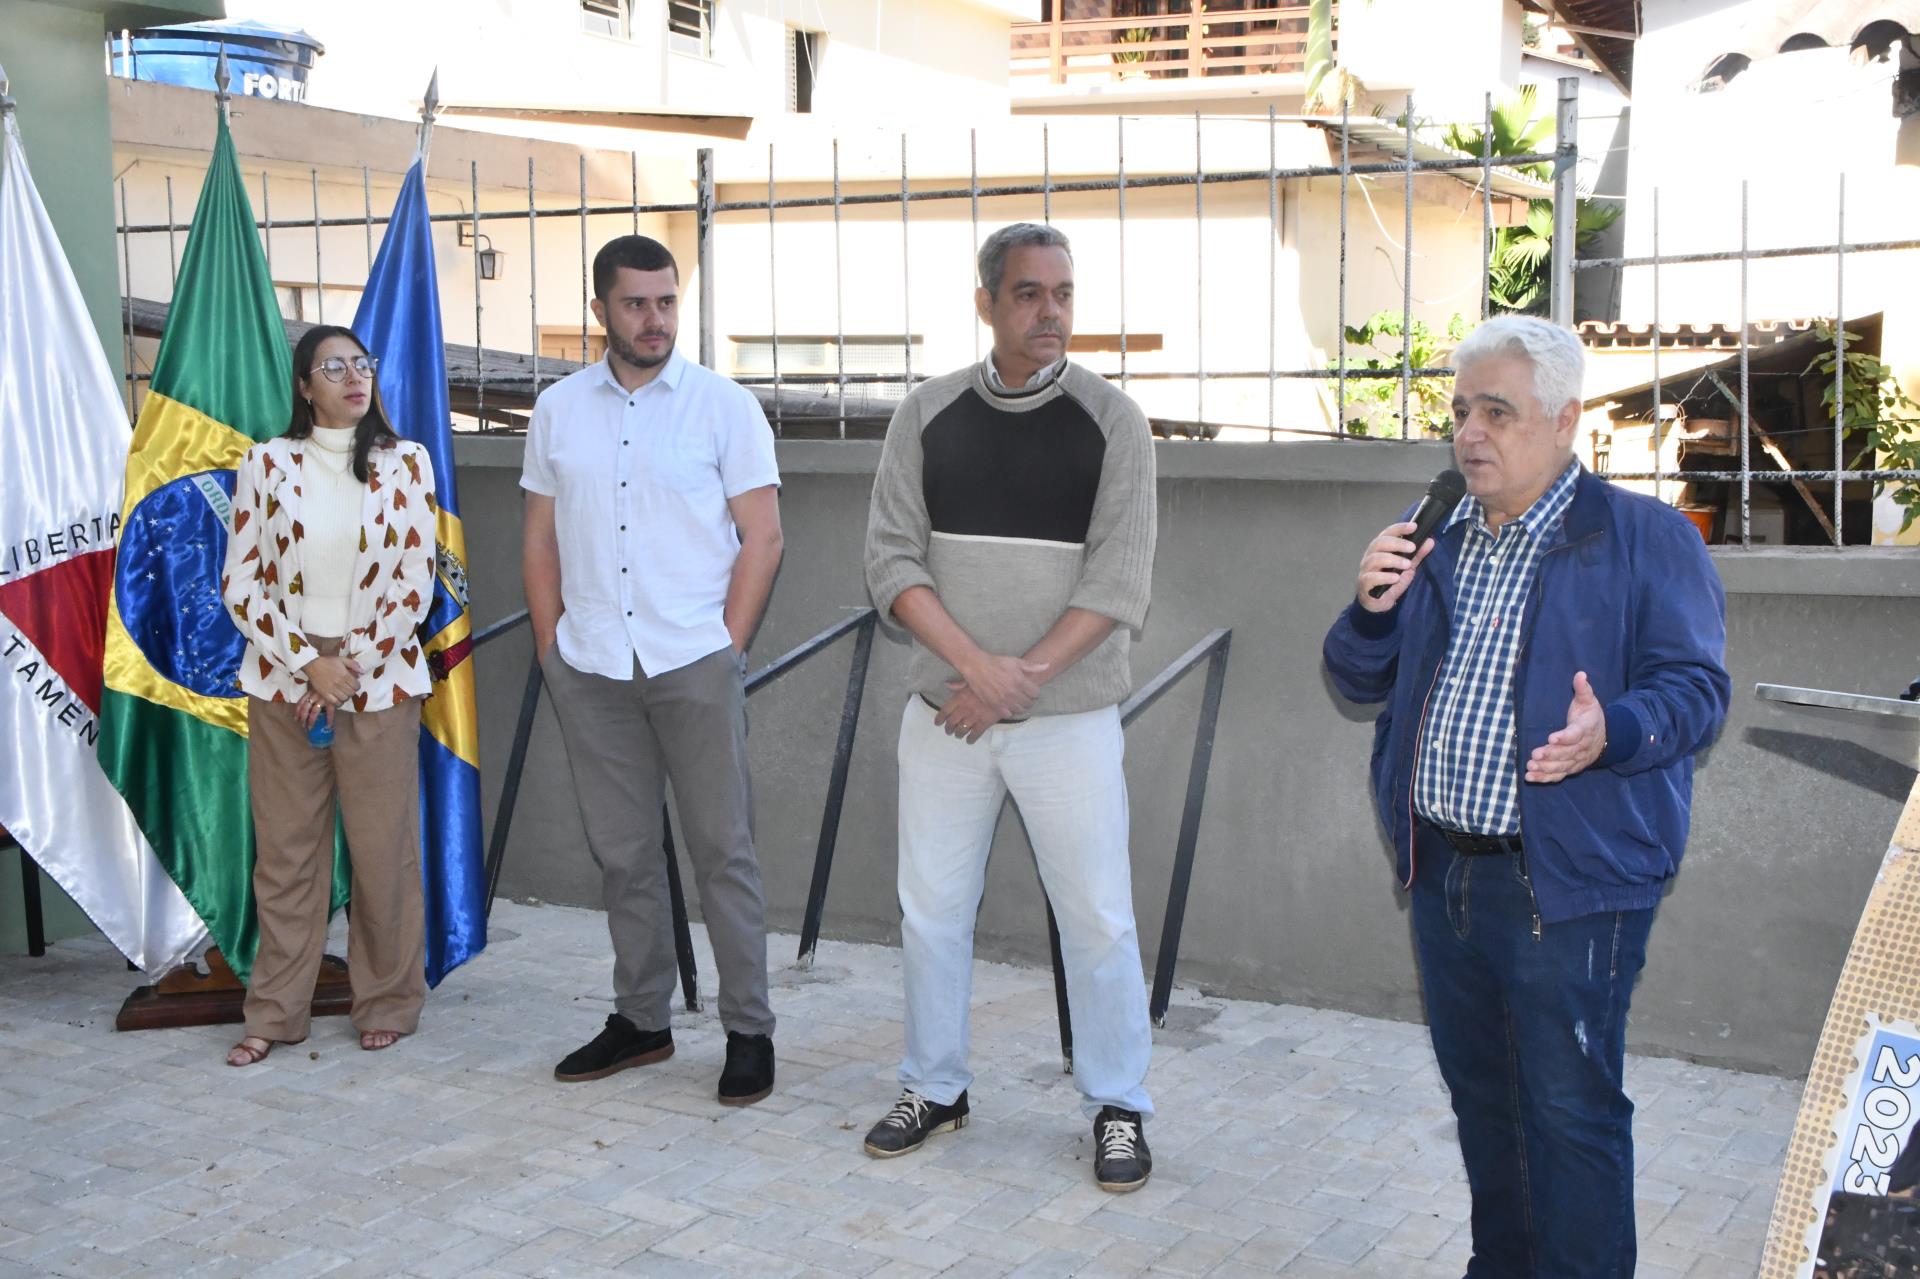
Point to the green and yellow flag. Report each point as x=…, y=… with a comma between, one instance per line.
x=174, y=723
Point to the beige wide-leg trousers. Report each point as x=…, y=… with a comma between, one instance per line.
x=373, y=770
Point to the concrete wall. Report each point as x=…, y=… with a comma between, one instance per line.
x=1293, y=896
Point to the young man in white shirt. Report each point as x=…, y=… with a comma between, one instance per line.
x=652, y=539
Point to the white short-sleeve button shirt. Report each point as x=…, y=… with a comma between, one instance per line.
x=640, y=482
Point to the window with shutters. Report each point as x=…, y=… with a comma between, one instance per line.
x=607, y=17
x=690, y=26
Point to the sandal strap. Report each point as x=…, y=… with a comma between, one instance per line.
x=254, y=1055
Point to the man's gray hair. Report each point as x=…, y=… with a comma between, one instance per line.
x=993, y=254
x=1559, y=361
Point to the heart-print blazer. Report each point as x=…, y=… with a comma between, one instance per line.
x=392, y=575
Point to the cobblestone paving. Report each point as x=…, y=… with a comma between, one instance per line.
x=1289, y=1140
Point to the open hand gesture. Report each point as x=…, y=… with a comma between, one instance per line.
x=1576, y=746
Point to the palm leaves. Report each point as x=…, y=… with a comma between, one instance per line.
x=1516, y=131
x=1520, y=260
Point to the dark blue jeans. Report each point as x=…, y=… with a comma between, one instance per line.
x=1530, y=1034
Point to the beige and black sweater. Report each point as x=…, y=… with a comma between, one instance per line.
x=1014, y=507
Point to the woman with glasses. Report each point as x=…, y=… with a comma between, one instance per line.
x=328, y=574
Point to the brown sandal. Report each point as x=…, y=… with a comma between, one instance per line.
x=251, y=1056
x=374, y=1040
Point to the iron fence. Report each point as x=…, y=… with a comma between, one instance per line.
x=1414, y=159
x=1710, y=385
x=500, y=385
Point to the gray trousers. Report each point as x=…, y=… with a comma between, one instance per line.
x=625, y=740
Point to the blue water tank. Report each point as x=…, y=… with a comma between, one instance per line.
x=266, y=61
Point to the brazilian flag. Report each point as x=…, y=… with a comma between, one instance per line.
x=173, y=734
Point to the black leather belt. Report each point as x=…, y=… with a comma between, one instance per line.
x=1478, y=845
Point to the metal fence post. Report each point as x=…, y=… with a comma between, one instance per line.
x=319, y=275
x=1406, y=288
x=836, y=793
x=510, y=790
x=533, y=281
x=126, y=307
x=1566, y=199
x=586, y=271
x=677, y=906
x=703, y=238
x=1197, y=774
x=1840, y=363
x=1062, y=1008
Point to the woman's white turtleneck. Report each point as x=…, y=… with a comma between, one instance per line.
x=330, y=501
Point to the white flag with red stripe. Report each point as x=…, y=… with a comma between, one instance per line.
x=63, y=453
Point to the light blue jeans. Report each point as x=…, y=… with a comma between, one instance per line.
x=1064, y=772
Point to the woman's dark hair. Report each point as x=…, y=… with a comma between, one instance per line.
x=374, y=429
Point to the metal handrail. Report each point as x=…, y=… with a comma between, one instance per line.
x=1213, y=650
x=861, y=624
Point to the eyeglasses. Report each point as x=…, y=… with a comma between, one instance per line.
x=335, y=368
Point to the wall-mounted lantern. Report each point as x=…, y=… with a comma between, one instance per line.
x=488, y=256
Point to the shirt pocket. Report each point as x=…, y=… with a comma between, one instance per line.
x=681, y=464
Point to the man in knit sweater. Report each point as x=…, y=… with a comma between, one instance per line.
x=1011, y=533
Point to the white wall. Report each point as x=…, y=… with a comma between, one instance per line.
x=1789, y=127
x=1603, y=135
x=508, y=302
x=1266, y=287
x=1228, y=319
x=901, y=58
x=1448, y=54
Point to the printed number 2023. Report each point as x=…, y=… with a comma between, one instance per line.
x=1887, y=1111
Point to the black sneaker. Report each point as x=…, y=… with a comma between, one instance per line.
x=749, y=1073
x=619, y=1046
x=1121, y=1160
x=912, y=1120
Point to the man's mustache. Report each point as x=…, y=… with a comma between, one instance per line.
x=1047, y=330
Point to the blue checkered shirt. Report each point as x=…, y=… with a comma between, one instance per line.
x=1468, y=776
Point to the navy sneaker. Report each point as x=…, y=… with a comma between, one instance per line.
x=912, y=1120
x=1121, y=1160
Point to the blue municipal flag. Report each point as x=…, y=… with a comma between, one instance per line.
x=399, y=320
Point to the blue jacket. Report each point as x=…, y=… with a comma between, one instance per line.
x=1627, y=593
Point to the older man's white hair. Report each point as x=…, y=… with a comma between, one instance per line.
x=1559, y=362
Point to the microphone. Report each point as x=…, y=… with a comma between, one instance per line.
x=1443, y=495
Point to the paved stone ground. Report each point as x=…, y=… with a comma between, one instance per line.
x=1290, y=1140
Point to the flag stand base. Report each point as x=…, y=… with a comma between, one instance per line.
x=188, y=997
